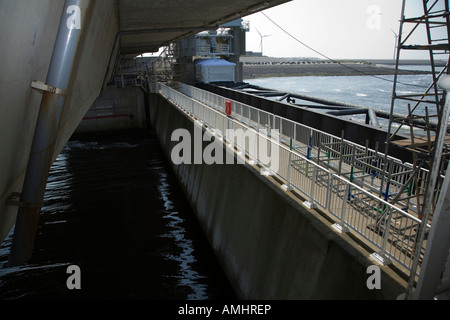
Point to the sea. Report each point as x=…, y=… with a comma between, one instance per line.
x=374, y=91
x=114, y=208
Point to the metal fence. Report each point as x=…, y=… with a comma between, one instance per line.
x=332, y=173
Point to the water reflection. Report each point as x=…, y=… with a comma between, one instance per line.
x=114, y=207
x=187, y=275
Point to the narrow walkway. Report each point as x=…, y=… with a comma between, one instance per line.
x=340, y=178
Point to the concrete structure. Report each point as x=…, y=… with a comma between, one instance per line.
x=116, y=109
x=27, y=36
x=270, y=246
x=58, y=57
x=227, y=42
x=107, y=30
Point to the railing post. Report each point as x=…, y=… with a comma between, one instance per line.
x=268, y=171
x=328, y=191
x=340, y=153
x=281, y=127
x=381, y=256
x=340, y=226
x=259, y=120
x=311, y=203
x=242, y=112
x=309, y=149
x=319, y=146
x=288, y=186
x=253, y=158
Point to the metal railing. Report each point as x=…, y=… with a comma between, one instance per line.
x=368, y=168
x=338, y=176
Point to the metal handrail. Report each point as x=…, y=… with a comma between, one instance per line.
x=367, y=168
x=354, y=207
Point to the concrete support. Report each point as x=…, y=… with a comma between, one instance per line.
x=45, y=137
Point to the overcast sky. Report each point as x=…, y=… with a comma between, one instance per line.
x=339, y=29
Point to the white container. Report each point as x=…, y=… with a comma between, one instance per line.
x=214, y=70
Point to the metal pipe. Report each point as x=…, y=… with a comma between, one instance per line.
x=320, y=107
x=347, y=112
x=46, y=131
x=341, y=105
x=284, y=97
x=373, y=117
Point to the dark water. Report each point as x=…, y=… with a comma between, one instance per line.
x=114, y=208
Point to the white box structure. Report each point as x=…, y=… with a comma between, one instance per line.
x=214, y=70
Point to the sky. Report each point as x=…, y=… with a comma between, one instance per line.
x=337, y=29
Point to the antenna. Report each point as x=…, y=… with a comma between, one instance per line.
x=262, y=37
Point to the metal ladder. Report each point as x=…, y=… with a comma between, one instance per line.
x=428, y=136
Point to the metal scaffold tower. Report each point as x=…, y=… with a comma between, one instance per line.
x=426, y=114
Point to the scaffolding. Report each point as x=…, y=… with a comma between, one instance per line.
x=426, y=119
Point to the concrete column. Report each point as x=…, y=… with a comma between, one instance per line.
x=46, y=131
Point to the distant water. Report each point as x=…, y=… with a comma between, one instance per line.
x=114, y=208
x=375, y=92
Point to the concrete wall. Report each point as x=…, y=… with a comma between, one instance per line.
x=28, y=32
x=116, y=109
x=269, y=245
x=29, y=28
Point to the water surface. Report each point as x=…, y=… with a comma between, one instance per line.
x=114, y=208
